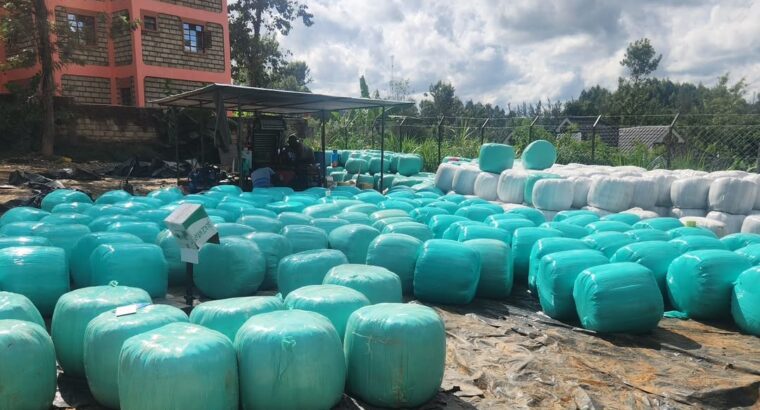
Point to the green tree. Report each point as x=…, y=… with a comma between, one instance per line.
x=293, y=76
x=363, y=88
x=640, y=59
x=444, y=101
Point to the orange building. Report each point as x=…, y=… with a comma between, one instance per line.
x=179, y=45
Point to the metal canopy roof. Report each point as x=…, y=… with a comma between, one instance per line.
x=263, y=100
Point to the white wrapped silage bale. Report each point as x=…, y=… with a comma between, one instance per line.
x=552, y=194
x=611, y=194
x=663, y=180
x=444, y=176
x=464, y=180
x=690, y=192
x=645, y=193
x=732, y=195
x=663, y=211
x=751, y=224
x=756, y=179
x=625, y=174
x=733, y=222
x=642, y=213
x=485, y=186
x=717, y=227
x=631, y=169
x=581, y=185
x=549, y=215
x=508, y=207
x=682, y=212
x=511, y=186
x=728, y=174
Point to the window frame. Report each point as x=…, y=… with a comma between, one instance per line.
x=155, y=23
x=83, y=28
x=190, y=32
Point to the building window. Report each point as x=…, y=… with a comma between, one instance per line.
x=193, y=37
x=126, y=96
x=82, y=29
x=149, y=23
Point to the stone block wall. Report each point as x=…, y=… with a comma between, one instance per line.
x=157, y=88
x=209, y=5
x=122, y=40
x=95, y=54
x=165, y=46
x=87, y=90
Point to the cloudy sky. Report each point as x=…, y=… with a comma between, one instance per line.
x=522, y=50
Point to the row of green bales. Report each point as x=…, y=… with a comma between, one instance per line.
x=341, y=259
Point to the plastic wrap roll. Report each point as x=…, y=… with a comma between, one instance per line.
x=476, y=212
x=539, y=155
x=496, y=157
x=19, y=307
x=464, y=180
x=378, y=284
x=582, y=220
x=745, y=301
x=397, y=204
x=60, y=196
x=22, y=214
x=682, y=212
x=732, y=222
x=355, y=217
x=366, y=209
x=226, y=316
x=618, y=297
x=149, y=363
x=112, y=197
x=700, y=282
x=74, y=311
x=156, y=216
x=446, y=272
x=453, y=231
x=523, y=240
x=555, y=279
x=234, y=267
x=66, y=218
x=662, y=224
x=334, y=302
x=27, y=366
x=402, y=347
x=40, y=273
x=654, y=255
x=608, y=242
x=486, y=185
x=732, y=195
x=690, y=192
x=581, y=186
x=328, y=224
x=138, y=265
x=531, y=214
x=610, y=193
x=643, y=235
x=548, y=246
x=510, y=225
x=424, y=214
x=356, y=166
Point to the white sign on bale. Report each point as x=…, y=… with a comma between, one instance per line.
x=192, y=227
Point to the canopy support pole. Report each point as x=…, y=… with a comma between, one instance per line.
x=241, y=177
x=382, y=151
x=324, y=152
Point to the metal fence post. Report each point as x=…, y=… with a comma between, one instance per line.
x=440, y=137
x=530, y=129
x=401, y=135
x=669, y=141
x=482, y=131
x=593, y=139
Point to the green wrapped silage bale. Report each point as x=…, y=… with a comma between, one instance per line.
x=476, y=212
x=440, y=223
x=228, y=189
x=496, y=278
x=234, y=209
x=745, y=301
x=166, y=195
x=261, y=223
x=388, y=213
x=274, y=247
x=234, y=267
x=170, y=247
x=365, y=179
x=740, y=240
x=555, y=279
x=150, y=362
x=608, y=242
x=282, y=206
x=293, y=218
x=375, y=165
x=425, y=213
x=663, y=224
x=394, y=163
x=19, y=228
x=152, y=202
x=395, y=354
x=353, y=240
x=27, y=366
x=371, y=197
x=355, y=217
x=322, y=210
x=446, y=272
x=690, y=231
x=328, y=224
x=61, y=196
x=751, y=252
x=63, y=236
x=74, y=207
x=306, y=268
x=568, y=230
x=696, y=243
x=112, y=197
x=356, y=166
x=41, y=273
x=381, y=224
x=22, y=214
x=511, y=225
x=18, y=307
x=156, y=216
x=395, y=204
x=101, y=223
x=643, y=235
x=523, y=240
x=531, y=214
x=335, y=302
x=654, y=255
x=450, y=207
x=409, y=164
x=13, y=241
x=562, y=215
x=582, y=220
x=306, y=199
x=470, y=232
x=257, y=200
x=76, y=309
x=617, y=298
x=453, y=231
x=261, y=212
x=136, y=206
x=415, y=229
x=305, y=237
x=366, y=209
x=138, y=265
x=473, y=201
x=548, y=246
x=700, y=282
x=496, y=157
x=66, y=218
x=315, y=374
x=227, y=229
x=397, y=253
x=227, y=316
x=378, y=284
x=626, y=218
x=104, y=337
x=608, y=226
x=146, y=231
x=539, y=155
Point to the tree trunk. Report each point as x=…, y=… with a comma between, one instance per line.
x=47, y=83
x=254, y=64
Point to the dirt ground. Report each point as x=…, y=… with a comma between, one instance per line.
x=509, y=355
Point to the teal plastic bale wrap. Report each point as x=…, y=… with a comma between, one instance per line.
x=523, y=240
x=156, y=216
x=395, y=354
x=751, y=252
x=371, y=197
x=166, y=195
x=356, y=166
x=170, y=247
x=397, y=253
x=19, y=307
x=328, y=224
x=27, y=366
x=440, y=223
x=696, y=243
x=63, y=236
x=152, y=202
x=618, y=298
x=227, y=216
x=563, y=215
x=555, y=280
x=654, y=255
x=700, y=282
x=66, y=218
x=274, y=247
x=735, y=241
x=19, y=228
x=355, y=217
x=396, y=204
x=608, y=226
x=226, y=229
x=304, y=198
x=378, y=284
x=293, y=218
x=531, y=214
x=282, y=206
x=375, y=165
x=476, y=212
x=409, y=164
x=446, y=272
x=470, y=232
x=261, y=223
x=96, y=211
x=496, y=277
x=366, y=209
x=424, y=214
x=568, y=230
x=112, y=197
x=415, y=229
x=134, y=206
x=234, y=267
x=496, y=157
x=227, y=189
x=146, y=231
x=234, y=208
x=257, y=200
x=322, y=210
x=305, y=237
x=306, y=268
x=643, y=235
x=626, y=218
x=539, y=155
x=582, y=220
x=101, y=223
x=548, y=246
x=335, y=302
x=511, y=225
x=745, y=301
x=73, y=313
x=608, y=242
x=353, y=240
x=138, y=265
x=61, y=196
x=690, y=231
x=22, y=214
x=381, y=224
x=103, y=340
x=453, y=231
x=449, y=207
x=41, y=273
x=13, y=241
x=149, y=365
x=227, y=316
x=290, y=359
x=663, y=224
